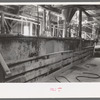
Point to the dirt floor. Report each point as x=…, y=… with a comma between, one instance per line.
x=88, y=71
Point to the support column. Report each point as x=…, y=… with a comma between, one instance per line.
x=69, y=31
x=66, y=19
x=31, y=29
x=38, y=22
x=44, y=21
x=80, y=23
x=2, y=23
x=58, y=27
x=48, y=24
x=37, y=30
x=80, y=28
x=22, y=26
x=64, y=16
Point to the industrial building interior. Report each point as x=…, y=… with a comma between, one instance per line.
x=49, y=43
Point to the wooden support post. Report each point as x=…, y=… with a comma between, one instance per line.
x=21, y=27
x=38, y=41
x=58, y=26
x=49, y=15
x=63, y=31
x=41, y=27
x=53, y=30
x=70, y=31
x=64, y=16
x=44, y=21
x=38, y=22
x=2, y=23
x=80, y=28
x=66, y=19
x=80, y=23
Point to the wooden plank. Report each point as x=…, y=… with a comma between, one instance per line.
x=55, y=55
x=51, y=67
x=25, y=77
x=29, y=75
x=76, y=58
x=41, y=71
x=77, y=62
x=18, y=69
x=54, y=66
x=61, y=53
x=84, y=55
x=67, y=55
x=69, y=60
x=85, y=58
x=44, y=79
x=19, y=79
x=75, y=55
x=26, y=66
x=81, y=55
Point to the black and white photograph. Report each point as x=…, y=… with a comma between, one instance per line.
x=51, y=43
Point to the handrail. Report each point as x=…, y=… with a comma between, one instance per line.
x=17, y=16
x=4, y=65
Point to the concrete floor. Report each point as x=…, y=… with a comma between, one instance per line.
x=88, y=71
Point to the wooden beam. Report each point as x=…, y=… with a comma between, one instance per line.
x=8, y=7
x=84, y=11
x=21, y=20
x=65, y=6
x=86, y=7
x=90, y=7
x=96, y=20
x=97, y=16
x=53, y=9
